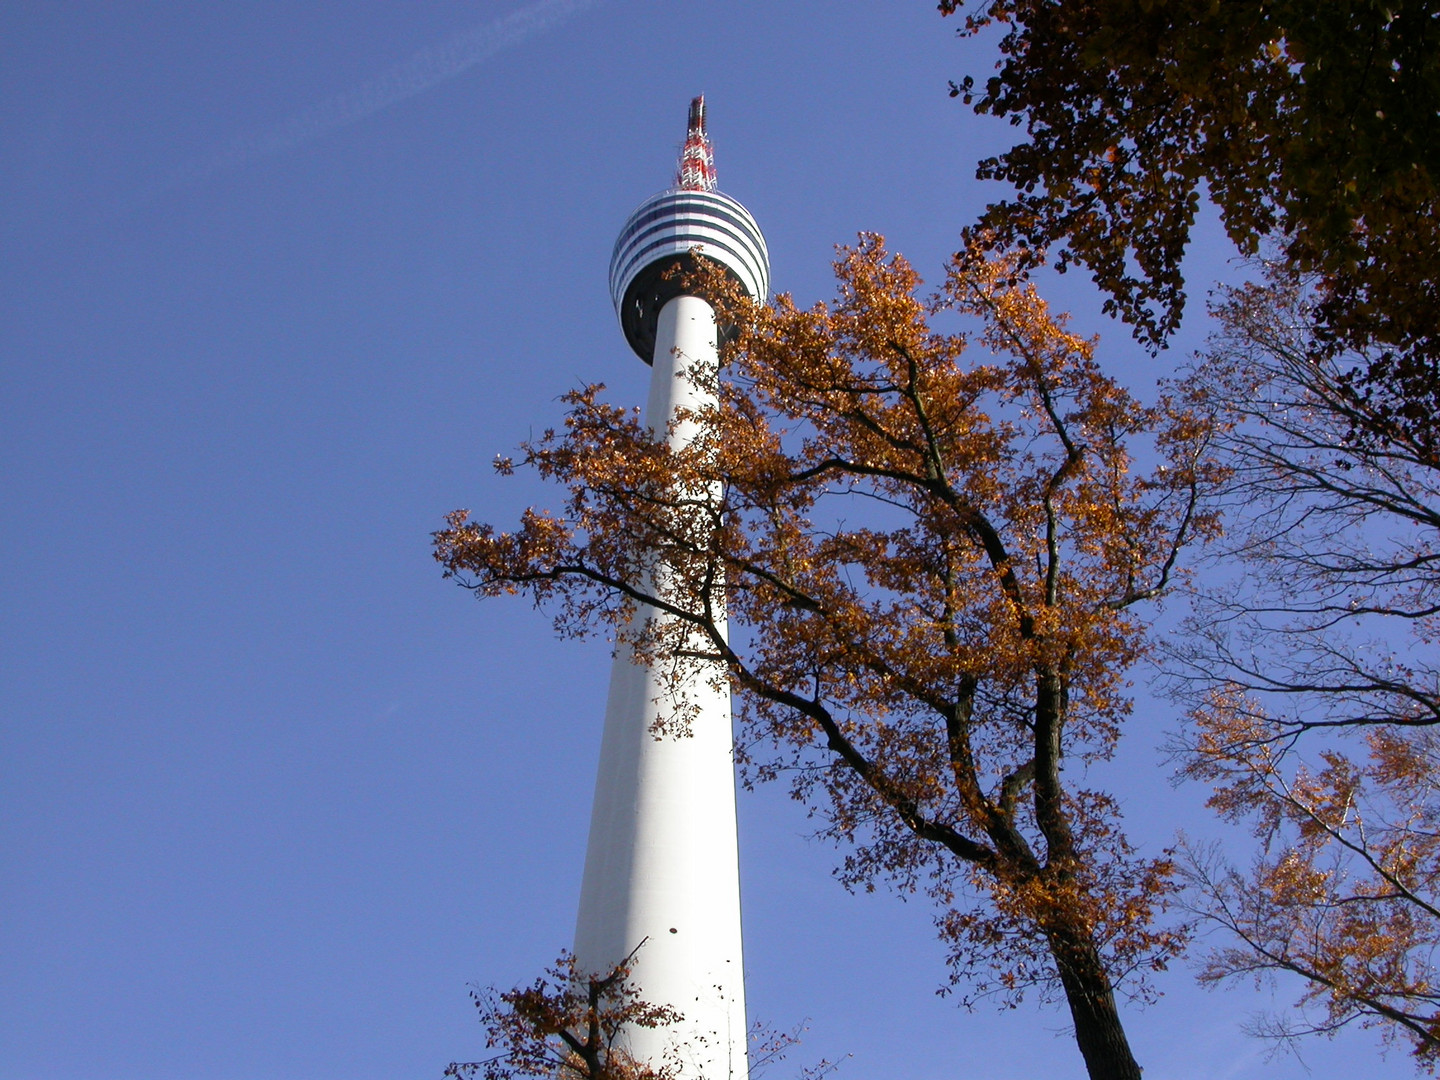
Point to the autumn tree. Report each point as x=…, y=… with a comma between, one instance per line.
x=1313, y=684
x=1316, y=124
x=931, y=554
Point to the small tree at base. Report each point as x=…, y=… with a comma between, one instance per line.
x=566, y=1025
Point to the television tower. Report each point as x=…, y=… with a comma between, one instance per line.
x=662, y=865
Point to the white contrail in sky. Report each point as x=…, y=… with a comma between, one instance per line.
x=428, y=67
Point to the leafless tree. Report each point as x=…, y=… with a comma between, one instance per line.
x=1312, y=685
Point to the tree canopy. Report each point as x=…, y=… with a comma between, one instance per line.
x=934, y=562
x=1317, y=124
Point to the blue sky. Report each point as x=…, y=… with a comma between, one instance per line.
x=278, y=282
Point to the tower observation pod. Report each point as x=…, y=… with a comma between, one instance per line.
x=662, y=864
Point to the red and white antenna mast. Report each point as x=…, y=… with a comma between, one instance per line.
x=697, y=159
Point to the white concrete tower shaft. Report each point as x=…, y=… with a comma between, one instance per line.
x=662, y=864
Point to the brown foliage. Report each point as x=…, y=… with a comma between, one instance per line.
x=1313, y=684
x=571, y=1025
x=933, y=559
x=566, y=1025
x=1316, y=123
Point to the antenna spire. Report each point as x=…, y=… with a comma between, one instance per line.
x=697, y=159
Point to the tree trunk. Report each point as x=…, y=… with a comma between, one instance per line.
x=1092, y=1005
